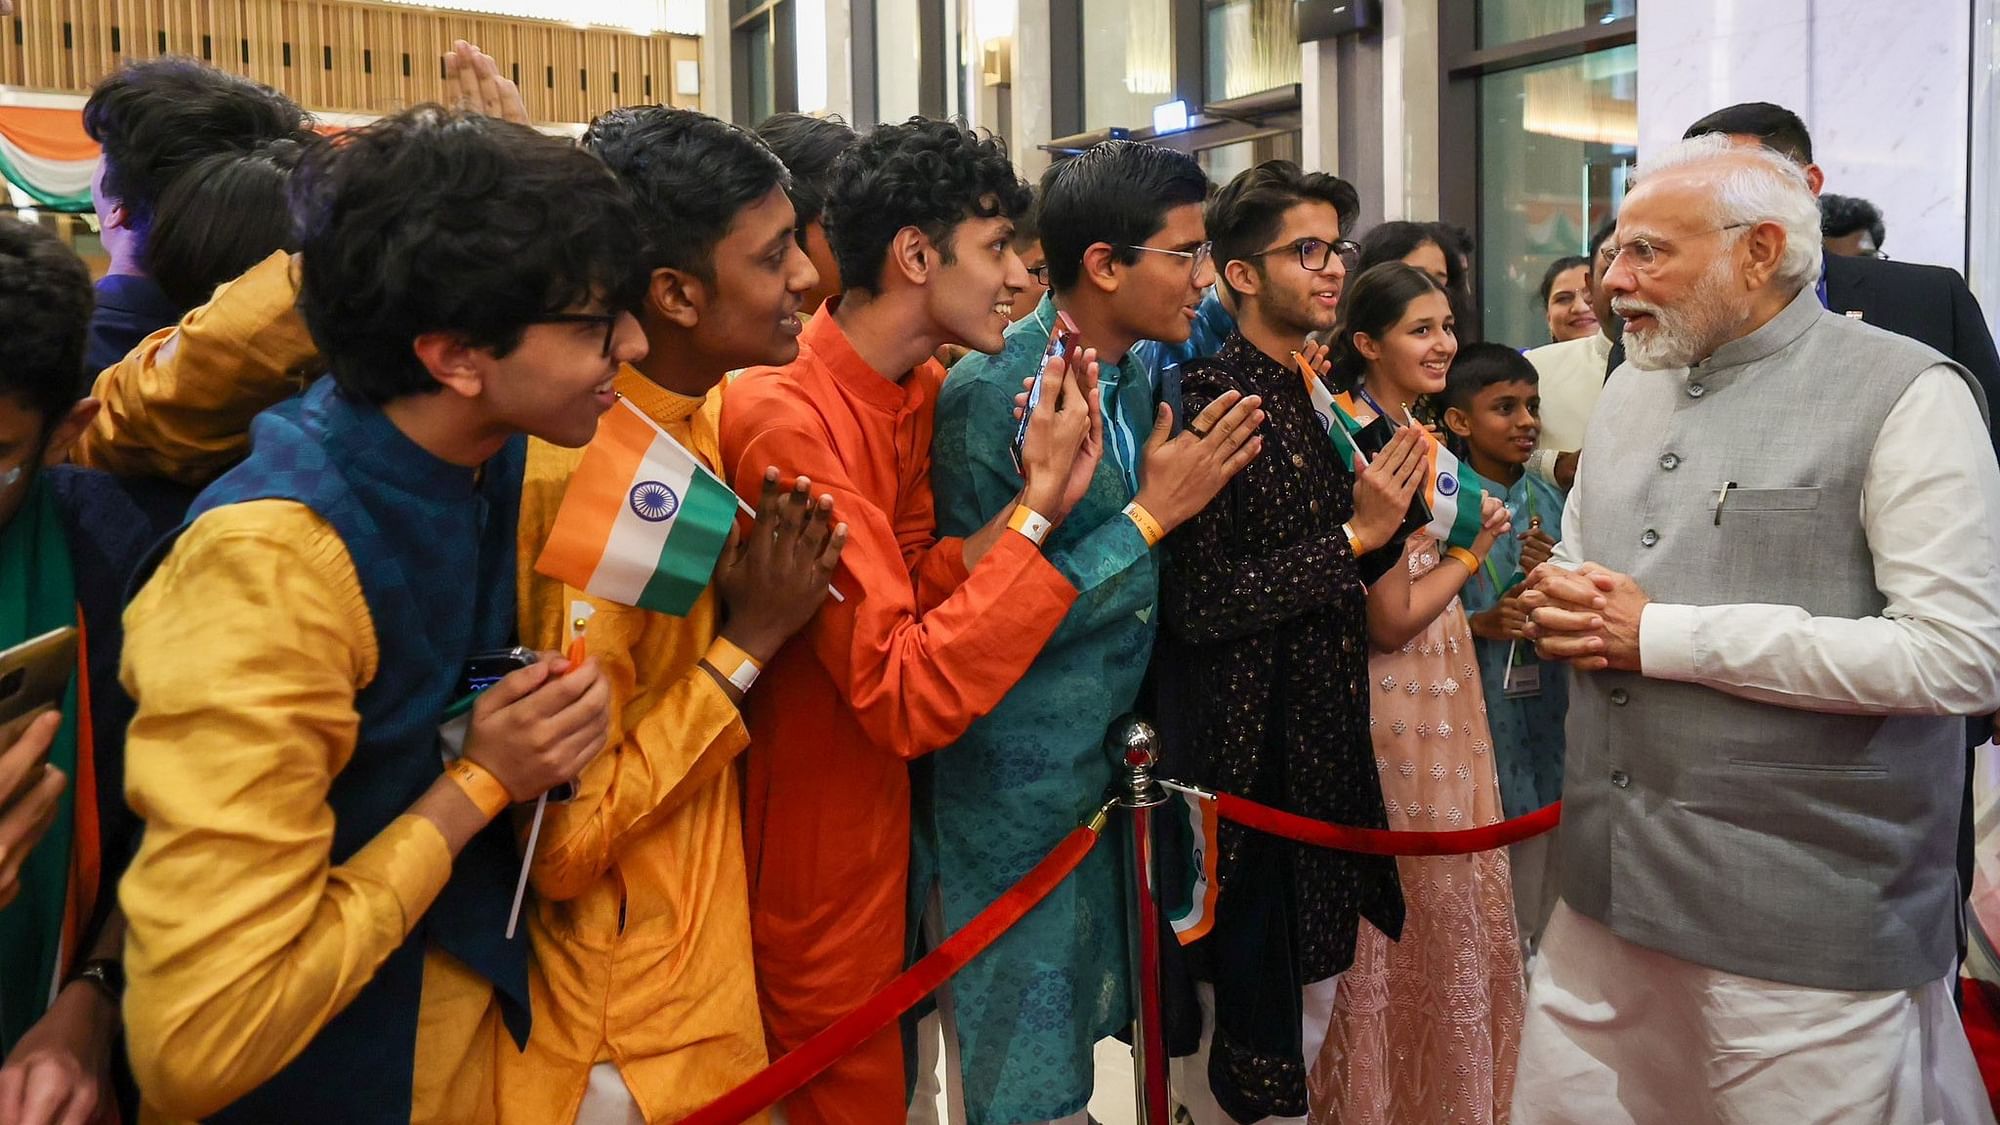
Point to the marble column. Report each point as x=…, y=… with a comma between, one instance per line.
x=1885, y=90
x=1411, y=83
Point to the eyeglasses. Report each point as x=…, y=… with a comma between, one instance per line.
x=1197, y=257
x=608, y=320
x=1040, y=274
x=1645, y=252
x=1315, y=253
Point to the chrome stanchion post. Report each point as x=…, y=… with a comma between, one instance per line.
x=1136, y=747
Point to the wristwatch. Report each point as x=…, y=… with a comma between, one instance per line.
x=108, y=974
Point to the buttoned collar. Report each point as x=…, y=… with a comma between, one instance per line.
x=1774, y=336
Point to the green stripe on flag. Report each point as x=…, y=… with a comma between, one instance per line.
x=1465, y=528
x=76, y=204
x=687, y=558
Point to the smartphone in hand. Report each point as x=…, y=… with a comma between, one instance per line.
x=1062, y=342
x=483, y=670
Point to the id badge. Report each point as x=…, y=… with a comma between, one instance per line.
x=1524, y=672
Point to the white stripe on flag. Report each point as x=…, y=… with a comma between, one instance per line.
x=632, y=554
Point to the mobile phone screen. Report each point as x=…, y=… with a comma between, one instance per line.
x=1062, y=342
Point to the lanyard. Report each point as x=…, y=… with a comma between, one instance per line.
x=1370, y=400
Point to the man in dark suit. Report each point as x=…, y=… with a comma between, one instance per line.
x=1930, y=304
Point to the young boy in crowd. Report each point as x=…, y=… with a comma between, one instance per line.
x=809, y=146
x=1492, y=405
x=155, y=119
x=1122, y=224
x=70, y=539
x=931, y=632
x=294, y=652
x=645, y=997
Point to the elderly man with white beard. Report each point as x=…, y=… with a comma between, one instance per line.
x=1779, y=579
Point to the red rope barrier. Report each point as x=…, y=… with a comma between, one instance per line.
x=1378, y=841
x=799, y=1066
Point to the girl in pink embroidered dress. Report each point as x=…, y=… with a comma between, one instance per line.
x=1425, y=1030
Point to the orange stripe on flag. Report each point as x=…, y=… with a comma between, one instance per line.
x=52, y=134
x=596, y=493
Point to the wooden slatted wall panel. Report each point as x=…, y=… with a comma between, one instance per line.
x=341, y=56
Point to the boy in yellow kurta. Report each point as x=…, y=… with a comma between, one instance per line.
x=643, y=992
x=317, y=907
x=642, y=929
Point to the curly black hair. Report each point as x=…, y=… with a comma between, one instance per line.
x=689, y=173
x=45, y=301
x=157, y=117
x=440, y=221
x=1246, y=213
x=808, y=145
x=927, y=174
x=1117, y=192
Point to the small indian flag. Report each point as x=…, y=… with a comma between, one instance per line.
x=1338, y=424
x=1452, y=493
x=642, y=521
x=1189, y=889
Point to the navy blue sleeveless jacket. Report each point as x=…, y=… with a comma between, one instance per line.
x=433, y=544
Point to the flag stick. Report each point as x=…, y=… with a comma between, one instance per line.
x=577, y=654
x=527, y=860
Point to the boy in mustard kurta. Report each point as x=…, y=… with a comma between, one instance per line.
x=644, y=991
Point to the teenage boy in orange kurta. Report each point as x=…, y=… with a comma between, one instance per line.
x=931, y=634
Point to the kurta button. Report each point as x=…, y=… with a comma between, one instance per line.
x=1618, y=696
x=1648, y=537
x=1620, y=778
x=1298, y=461
x=1670, y=461
x=1312, y=505
x=1696, y=390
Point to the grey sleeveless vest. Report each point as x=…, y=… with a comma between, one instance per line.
x=1790, y=845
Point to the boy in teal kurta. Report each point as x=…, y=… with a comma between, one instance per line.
x=1493, y=407
x=1122, y=228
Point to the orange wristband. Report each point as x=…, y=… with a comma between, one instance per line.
x=1030, y=523
x=479, y=786
x=1470, y=560
x=1148, y=526
x=738, y=667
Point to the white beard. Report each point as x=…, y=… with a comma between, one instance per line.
x=1689, y=332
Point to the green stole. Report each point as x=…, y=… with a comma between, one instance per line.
x=38, y=594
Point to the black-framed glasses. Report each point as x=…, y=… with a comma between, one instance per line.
x=1040, y=274
x=1315, y=253
x=1644, y=253
x=608, y=320
x=1196, y=257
